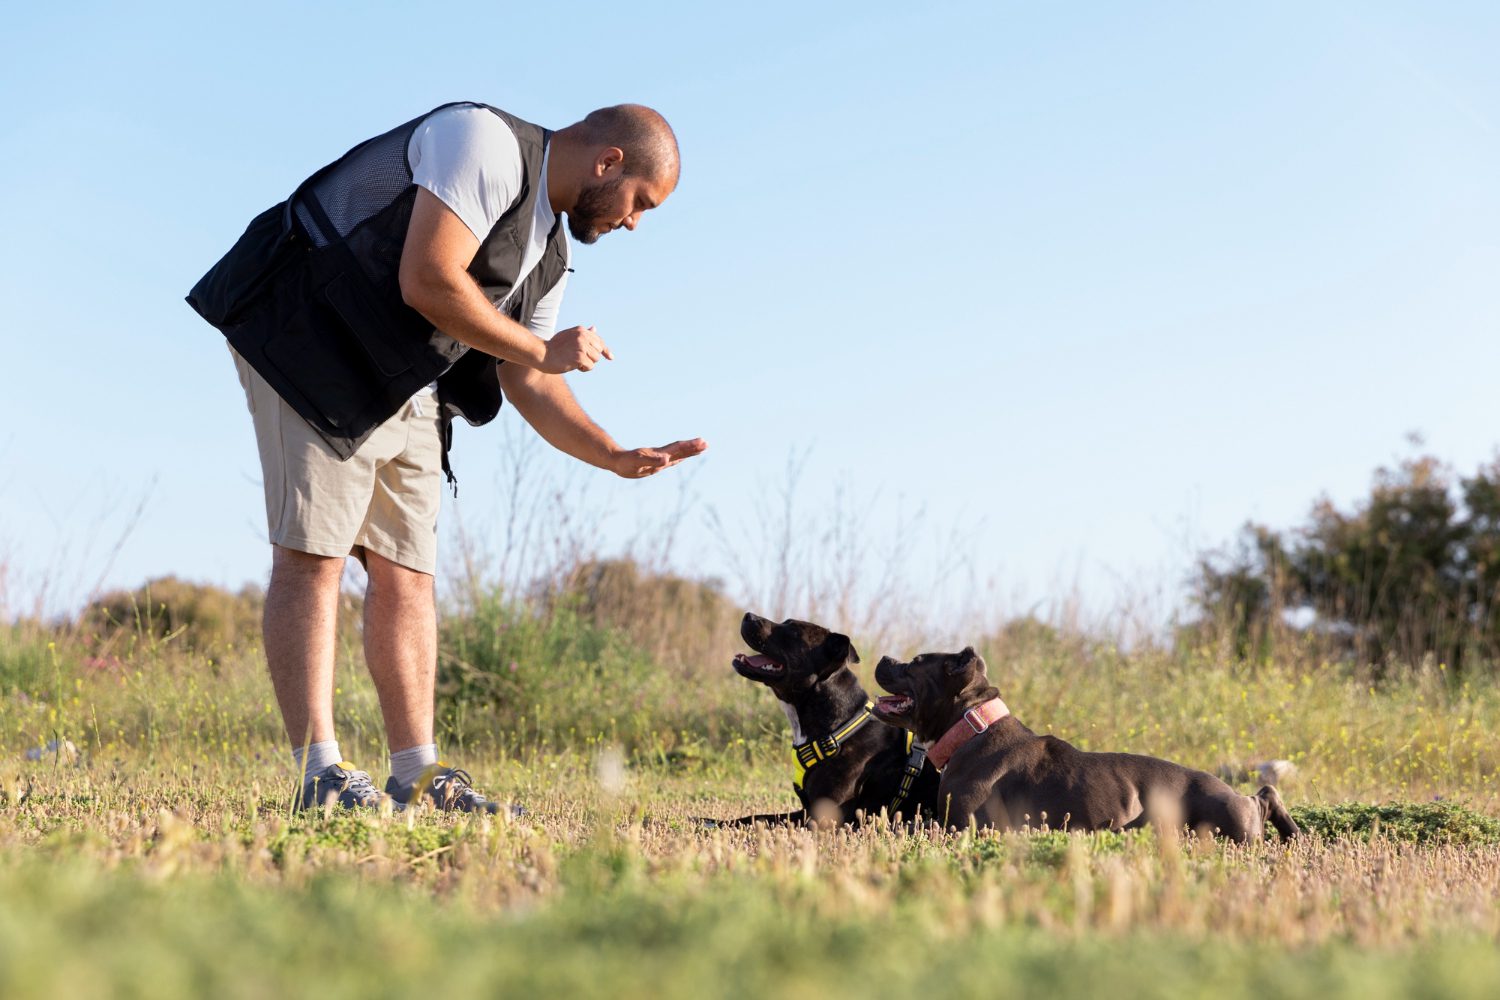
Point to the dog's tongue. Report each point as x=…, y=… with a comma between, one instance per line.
x=757, y=661
x=893, y=702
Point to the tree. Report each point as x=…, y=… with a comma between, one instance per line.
x=1411, y=571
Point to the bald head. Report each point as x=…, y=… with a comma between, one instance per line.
x=649, y=145
x=608, y=170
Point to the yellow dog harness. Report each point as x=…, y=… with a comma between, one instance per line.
x=810, y=753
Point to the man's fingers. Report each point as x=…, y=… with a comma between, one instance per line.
x=678, y=450
x=589, y=350
x=649, y=461
x=597, y=345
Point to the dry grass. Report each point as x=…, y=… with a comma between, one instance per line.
x=164, y=861
x=609, y=888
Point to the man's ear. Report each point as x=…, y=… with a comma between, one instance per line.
x=610, y=159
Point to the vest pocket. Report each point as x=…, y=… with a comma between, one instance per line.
x=233, y=285
x=339, y=353
x=380, y=340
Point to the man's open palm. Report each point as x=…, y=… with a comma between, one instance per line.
x=642, y=462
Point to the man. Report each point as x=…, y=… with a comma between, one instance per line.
x=415, y=279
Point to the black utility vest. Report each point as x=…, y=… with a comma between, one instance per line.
x=310, y=294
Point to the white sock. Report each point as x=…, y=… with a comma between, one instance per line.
x=317, y=756
x=407, y=765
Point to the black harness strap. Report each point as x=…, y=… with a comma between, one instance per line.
x=916, y=756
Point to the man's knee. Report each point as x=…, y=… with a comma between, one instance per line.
x=290, y=567
x=383, y=572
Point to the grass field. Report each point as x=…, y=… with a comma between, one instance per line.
x=163, y=859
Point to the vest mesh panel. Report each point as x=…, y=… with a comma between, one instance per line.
x=371, y=178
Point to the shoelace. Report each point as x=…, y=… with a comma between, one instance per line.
x=456, y=784
x=359, y=783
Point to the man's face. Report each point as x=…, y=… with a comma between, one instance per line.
x=612, y=202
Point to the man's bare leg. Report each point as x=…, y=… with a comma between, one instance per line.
x=401, y=651
x=301, y=620
x=401, y=648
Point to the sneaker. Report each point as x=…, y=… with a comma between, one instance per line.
x=340, y=784
x=448, y=789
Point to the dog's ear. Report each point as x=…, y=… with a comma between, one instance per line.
x=966, y=660
x=840, y=649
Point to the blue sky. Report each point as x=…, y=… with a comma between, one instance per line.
x=1084, y=286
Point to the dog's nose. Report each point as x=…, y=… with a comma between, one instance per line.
x=885, y=662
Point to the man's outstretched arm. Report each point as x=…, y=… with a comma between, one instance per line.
x=549, y=406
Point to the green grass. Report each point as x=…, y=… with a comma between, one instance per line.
x=226, y=899
x=1408, y=822
x=164, y=861
x=337, y=937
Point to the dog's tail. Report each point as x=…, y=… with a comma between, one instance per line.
x=1273, y=811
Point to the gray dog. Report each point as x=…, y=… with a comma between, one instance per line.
x=998, y=773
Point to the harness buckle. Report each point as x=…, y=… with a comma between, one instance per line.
x=821, y=748
x=807, y=755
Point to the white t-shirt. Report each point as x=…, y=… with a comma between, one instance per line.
x=469, y=158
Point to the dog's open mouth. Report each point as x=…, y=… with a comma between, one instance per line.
x=893, y=704
x=757, y=665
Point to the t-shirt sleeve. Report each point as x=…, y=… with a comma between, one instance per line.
x=469, y=159
x=544, y=316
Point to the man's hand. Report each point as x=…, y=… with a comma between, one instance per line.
x=549, y=406
x=642, y=462
x=577, y=348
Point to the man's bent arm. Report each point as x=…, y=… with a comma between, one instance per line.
x=549, y=406
x=435, y=281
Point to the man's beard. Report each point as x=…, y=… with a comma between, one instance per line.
x=584, y=217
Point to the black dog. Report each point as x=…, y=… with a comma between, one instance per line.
x=1004, y=775
x=843, y=760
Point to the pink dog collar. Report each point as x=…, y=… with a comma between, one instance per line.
x=973, y=722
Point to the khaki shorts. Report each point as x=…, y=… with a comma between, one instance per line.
x=384, y=498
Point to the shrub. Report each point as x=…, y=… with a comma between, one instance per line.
x=169, y=610
x=1412, y=571
x=26, y=664
x=199, y=617
x=550, y=676
x=680, y=623
x=1413, y=822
